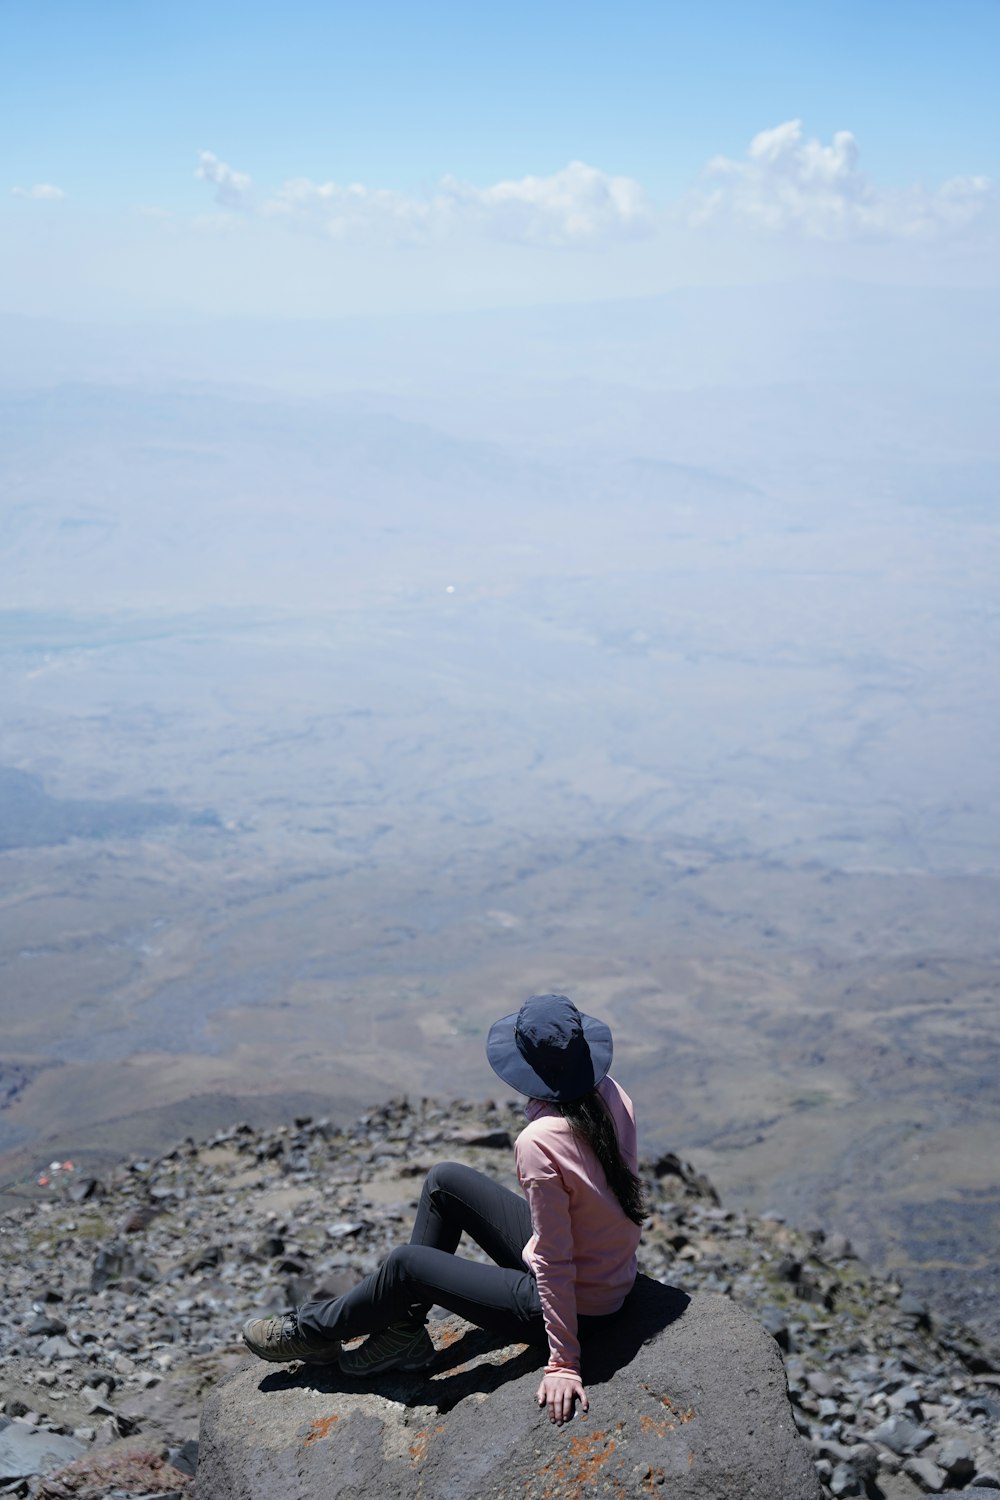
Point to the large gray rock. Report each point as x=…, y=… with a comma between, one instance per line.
x=687, y=1400
x=26, y=1450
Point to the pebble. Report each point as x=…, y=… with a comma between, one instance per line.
x=902, y=1435
x=957, y=1461
x=930, y=1478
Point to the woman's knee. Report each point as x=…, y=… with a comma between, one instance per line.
x=444, y=1176
x=398, y=1264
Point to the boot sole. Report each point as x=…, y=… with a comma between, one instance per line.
x=407, y=1365
x=274, y=1358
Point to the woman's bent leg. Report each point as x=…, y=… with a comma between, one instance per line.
x=412, y=1279
x=456, y=1198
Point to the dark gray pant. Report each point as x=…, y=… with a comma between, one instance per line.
x=502, y=1297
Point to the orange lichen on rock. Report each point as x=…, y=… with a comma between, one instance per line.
x=666, y=1424
x=321, y=1428
x=682, y=1416
x=571, y=1472
x=420, y=1444
x=418, y=1448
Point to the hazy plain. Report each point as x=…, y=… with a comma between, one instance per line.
x=338, y=718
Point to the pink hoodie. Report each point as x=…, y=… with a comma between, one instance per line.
x=582, y=1252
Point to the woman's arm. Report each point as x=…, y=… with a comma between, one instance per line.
x=552, y=1262
x=555, y=1275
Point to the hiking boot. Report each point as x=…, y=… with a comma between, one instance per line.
x=401, y=1346
x=281, y=1340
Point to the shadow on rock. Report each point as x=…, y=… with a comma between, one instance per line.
x=478, y=1362
x=649, y=1308
x=474, y=1363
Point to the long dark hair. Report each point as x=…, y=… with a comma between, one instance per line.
x=589, y=1119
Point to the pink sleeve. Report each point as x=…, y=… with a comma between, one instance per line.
x=552, y=1256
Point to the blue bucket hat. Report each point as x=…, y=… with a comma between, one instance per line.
x=549, y=1050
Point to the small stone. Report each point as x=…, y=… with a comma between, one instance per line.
x=844, y=1481
x=57, y=1347
x=111, y=1263
x=95, y=1401
x=106, y=1433
x=185, y=1458
x=206, y=1259
x=139, y=1218
x=902, y=1435
x=927, y=1475
x=344, y=1229
x=820, y=1382
x=956, y=1459
x=84, y=1188
x=865, y=1463
x=45, y=1326
x=911, y=1307
x=487, y=1140
x=776, y=1323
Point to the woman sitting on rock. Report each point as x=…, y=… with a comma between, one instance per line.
x=564, y=1259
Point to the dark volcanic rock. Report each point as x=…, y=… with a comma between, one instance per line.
x=84, y=1188
x=687, y=1399
x=489, y=1140
x=671, y=1165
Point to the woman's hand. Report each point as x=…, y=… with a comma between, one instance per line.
x=558, y=1392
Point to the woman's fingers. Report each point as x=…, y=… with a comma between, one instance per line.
x=558, y=1394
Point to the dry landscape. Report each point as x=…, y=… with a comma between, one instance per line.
x=349, y=732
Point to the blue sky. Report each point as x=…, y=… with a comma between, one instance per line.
x=107, y=105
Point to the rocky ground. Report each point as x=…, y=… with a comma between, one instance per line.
x=123, y=1297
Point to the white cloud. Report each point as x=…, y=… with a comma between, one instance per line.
x=351, y=211
x=786, y=184
x=789, y=184
x=578, y=205
x=232, y=189
x=43, y=192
